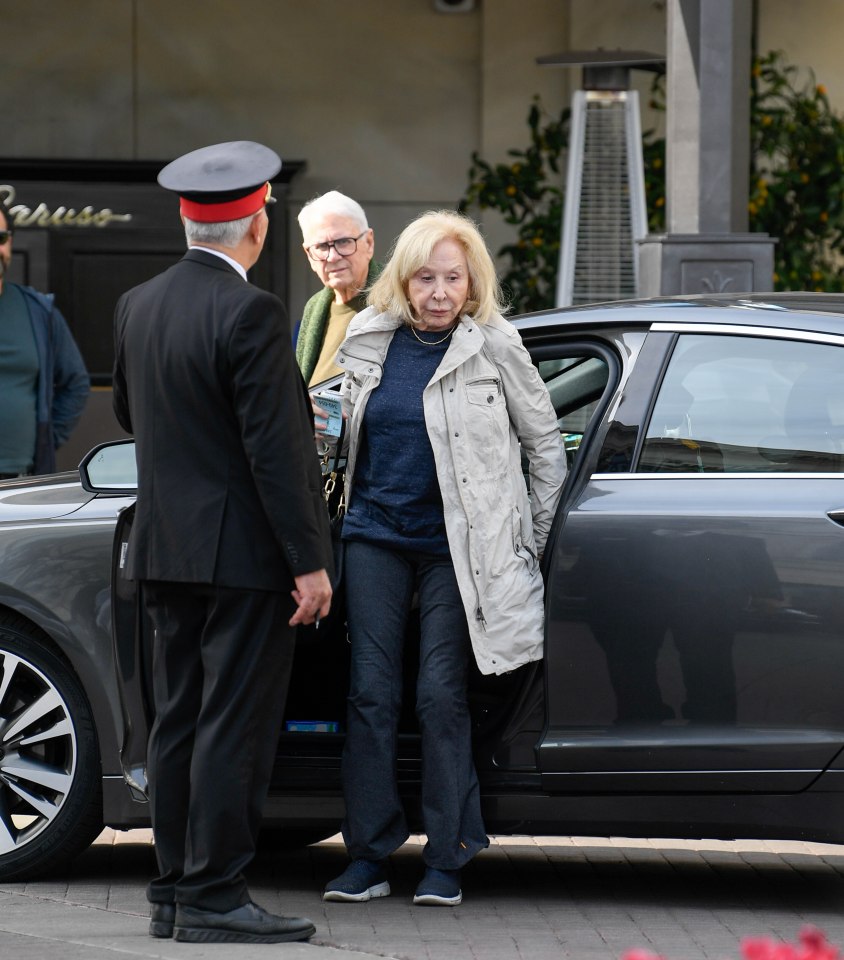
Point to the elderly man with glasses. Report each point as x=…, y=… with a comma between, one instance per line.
x=339, y=243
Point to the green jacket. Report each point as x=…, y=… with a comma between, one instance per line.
x=315, y=319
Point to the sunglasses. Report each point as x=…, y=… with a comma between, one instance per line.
x=5, y=236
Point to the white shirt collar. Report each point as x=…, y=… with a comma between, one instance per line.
x=222, y=256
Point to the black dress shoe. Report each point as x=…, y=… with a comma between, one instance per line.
x=161, y=919
x=247, y=924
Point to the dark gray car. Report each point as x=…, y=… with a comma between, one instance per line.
x=695, y=609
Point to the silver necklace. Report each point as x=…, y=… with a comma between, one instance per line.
x=431, y=343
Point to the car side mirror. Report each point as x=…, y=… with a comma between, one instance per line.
x=110, y=468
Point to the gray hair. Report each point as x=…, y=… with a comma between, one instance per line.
x=226, y=234
x=335, y=203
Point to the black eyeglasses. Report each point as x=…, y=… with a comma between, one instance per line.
x=5, y=236
x=345, y=247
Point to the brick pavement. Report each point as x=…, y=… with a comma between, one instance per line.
x=536, y=898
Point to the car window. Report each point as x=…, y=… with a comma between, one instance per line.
x=732, y=404
x=575, y=385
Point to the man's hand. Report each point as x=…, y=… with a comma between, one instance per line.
x=312, y=596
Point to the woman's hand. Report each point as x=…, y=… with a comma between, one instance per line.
x=320, y=420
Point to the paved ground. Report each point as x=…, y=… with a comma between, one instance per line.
x=526, y=899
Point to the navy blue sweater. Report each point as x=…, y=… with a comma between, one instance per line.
x=396, y=500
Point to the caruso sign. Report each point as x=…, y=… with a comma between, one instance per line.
x=21, y=215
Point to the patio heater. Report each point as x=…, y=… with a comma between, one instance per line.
x=604, y=212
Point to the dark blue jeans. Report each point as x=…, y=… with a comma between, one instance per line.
x=380, y=587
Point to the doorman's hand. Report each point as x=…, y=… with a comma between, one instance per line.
x=312, y=596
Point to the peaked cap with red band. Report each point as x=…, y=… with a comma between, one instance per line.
x=226, y=181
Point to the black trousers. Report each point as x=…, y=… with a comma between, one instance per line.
x=221, y=665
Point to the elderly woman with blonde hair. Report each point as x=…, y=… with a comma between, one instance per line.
x=439, y=386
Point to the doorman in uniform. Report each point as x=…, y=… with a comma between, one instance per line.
x=230, y=540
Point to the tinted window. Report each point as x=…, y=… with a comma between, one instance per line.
x=575, y=385
x=731, y=404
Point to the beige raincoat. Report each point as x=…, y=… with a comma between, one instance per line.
x=485, y=405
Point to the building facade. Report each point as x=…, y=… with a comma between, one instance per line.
x=385, y=101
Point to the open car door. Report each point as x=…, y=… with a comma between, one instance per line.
x=111, y=469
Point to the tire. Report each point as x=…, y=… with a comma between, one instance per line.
x=50, y=786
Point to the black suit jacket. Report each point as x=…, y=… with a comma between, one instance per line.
x=229, y=488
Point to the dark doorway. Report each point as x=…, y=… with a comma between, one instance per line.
x=87, y=231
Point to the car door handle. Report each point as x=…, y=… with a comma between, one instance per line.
x=837, y=515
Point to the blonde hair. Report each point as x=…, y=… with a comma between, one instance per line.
x=413, y=249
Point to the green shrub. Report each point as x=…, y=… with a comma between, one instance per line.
x=797, y=175
x=528, y=194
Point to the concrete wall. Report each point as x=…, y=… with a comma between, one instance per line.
x=811, y=32
x=384, y=100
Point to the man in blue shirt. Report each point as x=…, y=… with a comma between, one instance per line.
x=43, y=378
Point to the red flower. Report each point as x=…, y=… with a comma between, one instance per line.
x=816, y=946
x=811, y=945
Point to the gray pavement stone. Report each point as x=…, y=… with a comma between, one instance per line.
x=540, y=898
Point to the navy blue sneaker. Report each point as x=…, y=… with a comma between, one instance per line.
x=439, y=888
x=361, y=880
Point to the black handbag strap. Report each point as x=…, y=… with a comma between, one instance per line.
x=333, y=474
x=339, y=448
